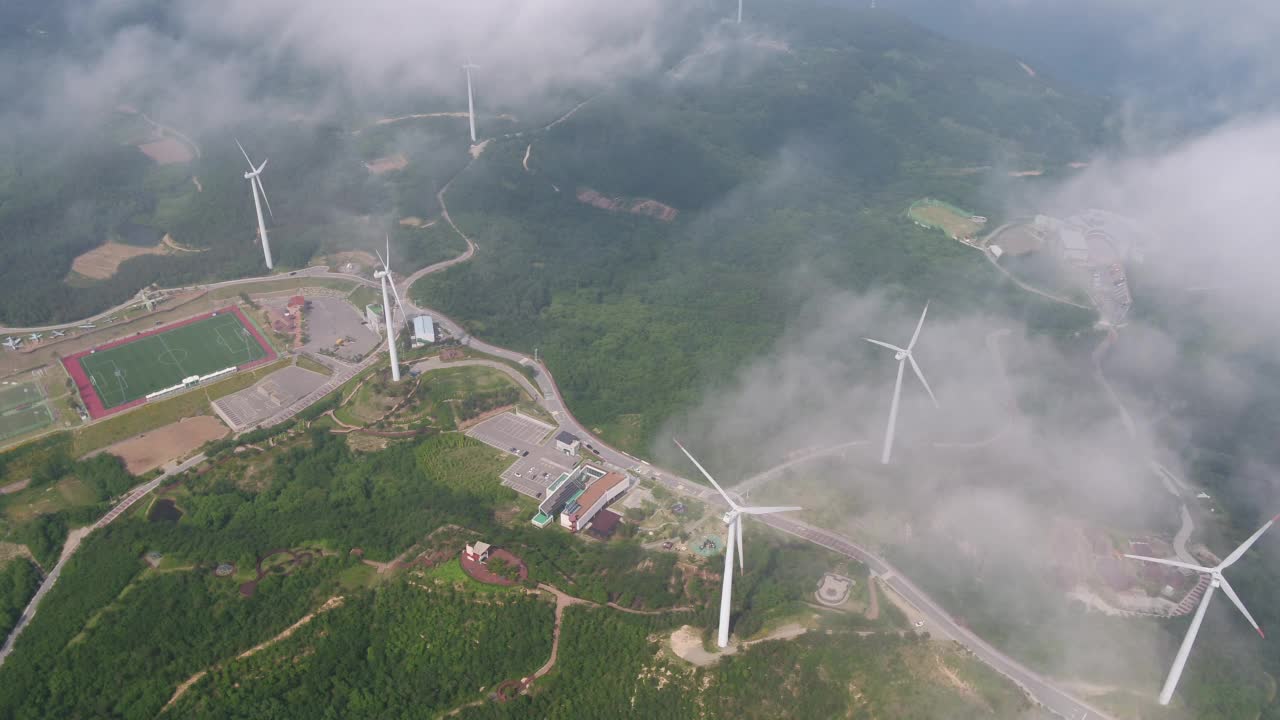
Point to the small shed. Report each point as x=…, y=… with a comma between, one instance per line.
x=478, y=552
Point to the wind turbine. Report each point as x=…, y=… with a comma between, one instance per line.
x=471, y=104
x=255, y=182
x=733, y=533
x=1216, y=581
x=903, y=355
x=739, y=12
x=384, y=275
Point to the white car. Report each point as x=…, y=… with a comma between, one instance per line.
x=518, y=474
x=919, y=623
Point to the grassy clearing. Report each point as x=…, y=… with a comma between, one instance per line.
x=451, y=572
x=466, y=464
x=281, y=285
x=14, y=396
x=24, y=421
x=307, y=363
x=364, y=295
x=157, y=414
x=358, y=576
x=65, y=494
x=953, y=221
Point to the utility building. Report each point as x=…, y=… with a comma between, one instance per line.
x=567, y=443
x=424, y=329
x=558, y=494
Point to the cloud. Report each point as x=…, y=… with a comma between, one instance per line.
x=215, y=63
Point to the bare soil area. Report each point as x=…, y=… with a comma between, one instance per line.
x=388, y=164
x=149, y=451
x=172, y=244
x=636, y=206
x=103, y=261
x=167, y=151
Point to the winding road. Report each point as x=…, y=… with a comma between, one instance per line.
x=1041, y=690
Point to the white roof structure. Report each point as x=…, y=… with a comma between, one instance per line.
x=424, y=329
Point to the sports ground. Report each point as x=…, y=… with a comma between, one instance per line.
x=22, y=410
x=121, y=374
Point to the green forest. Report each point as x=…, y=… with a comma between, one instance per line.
x=791, y=181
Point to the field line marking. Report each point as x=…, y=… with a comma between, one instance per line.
x=169, y=350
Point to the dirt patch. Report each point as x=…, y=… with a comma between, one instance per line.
x=388, y=164
x=9, y=551
x=478, y=148
x=952, y=678
x=636, y=206
x=480, y=572
x=12, y=488
x=686, y=642
x=415, y=221
x=353, y=261
x=172, y=244
x=149, y=451
x=167, y=151
x=103, y=261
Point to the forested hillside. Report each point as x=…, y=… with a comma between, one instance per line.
x=790, y=149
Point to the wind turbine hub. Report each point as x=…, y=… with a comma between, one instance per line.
x=900, y=356
x=730, y=516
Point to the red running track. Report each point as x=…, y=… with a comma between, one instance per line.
x=93, y=402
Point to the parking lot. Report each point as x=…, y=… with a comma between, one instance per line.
x=537, y=463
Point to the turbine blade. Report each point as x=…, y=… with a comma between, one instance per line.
x=767, y=510
x=894, y=348
x=388, y=237
x=916, y=336
x=1244, y=547
x=706, y=474
x=384, y=262
x=263, y=190
x=1171, y=563
x=741, y=563
x=246, y=155
x=924, y=382
x=1226, y=588
x=404, y=316
x=262, y=166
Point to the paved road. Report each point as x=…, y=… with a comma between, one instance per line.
x=73, y=543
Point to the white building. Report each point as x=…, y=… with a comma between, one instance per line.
x=1073, y=246
x=424, y=329
x=478, y=552
x=567, y=443
x=583, y=506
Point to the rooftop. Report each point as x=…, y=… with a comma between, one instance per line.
x=598, y=489
x=566, y=437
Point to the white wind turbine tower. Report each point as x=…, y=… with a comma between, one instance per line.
x=255, y=182
x=739, y=12
x=1216, y=581
x=733, y=533
x=903, y=356
x=385, y=276
x=471, y=103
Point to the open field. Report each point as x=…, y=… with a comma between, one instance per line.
x=953, y=221
x=21, y=422
x=149, y=451
x=103, y=261
x=158, y=414
x=66, y=493
x=129, y=371
x=285, y=283
x=15, y=396
x=167, y=151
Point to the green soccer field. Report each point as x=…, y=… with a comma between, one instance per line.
x=130, y=371
x=12, y=396
x=20, y=422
